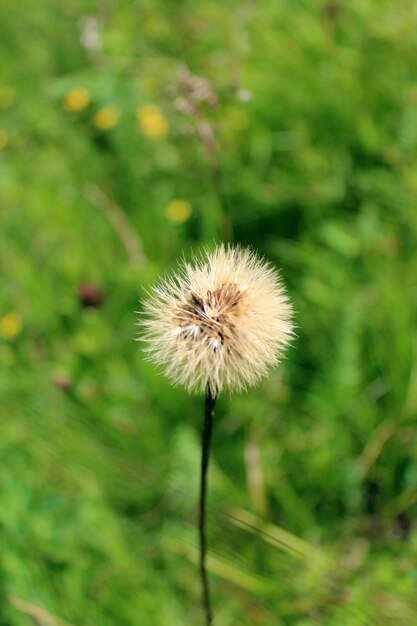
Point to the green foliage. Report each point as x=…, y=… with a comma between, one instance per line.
x=303, y=144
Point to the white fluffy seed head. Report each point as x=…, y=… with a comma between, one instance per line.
x=218, y=323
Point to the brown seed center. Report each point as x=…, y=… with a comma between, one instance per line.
x=208, y=317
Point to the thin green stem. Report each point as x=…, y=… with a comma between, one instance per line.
x=205, y=455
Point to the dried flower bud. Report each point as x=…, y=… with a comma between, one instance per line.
x=90, y=295
x=196, y=89
x=62, y=382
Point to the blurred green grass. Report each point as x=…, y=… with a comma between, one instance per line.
x=301, y=143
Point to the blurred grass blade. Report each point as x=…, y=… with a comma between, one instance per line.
x=39, y=615
x=272, y=534
x=118, y=219
x=226, y=570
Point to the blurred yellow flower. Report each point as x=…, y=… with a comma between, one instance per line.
x=152, y=121
x=4, y=138
x=10, y=325
x=178, y=211
x=76, y=99
x=6, y=96
x=106, y=118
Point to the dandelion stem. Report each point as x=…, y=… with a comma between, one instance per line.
x=205, y=455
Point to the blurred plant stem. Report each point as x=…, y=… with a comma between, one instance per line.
x=206, y=134
x=255, y=474
x=205, y=455
x=40, y=616
x=120, y=223
x=196, y=91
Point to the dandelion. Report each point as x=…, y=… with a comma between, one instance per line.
x=218, y=323
x=106, y=118
x=76, y=100
x=10, y=325
x=178, y=211
x=152, y=121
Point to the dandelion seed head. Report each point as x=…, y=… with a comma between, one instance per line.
x=218, y=323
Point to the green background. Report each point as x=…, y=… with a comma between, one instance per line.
x=303, y=144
